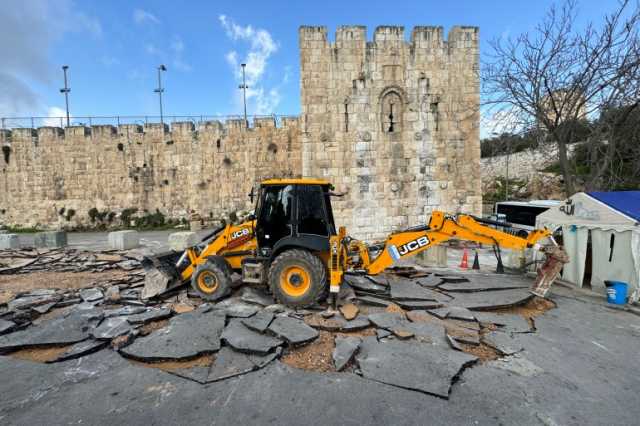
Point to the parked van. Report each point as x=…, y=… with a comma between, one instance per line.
x=522, y=214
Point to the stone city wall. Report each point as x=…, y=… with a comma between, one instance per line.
x=208, y=170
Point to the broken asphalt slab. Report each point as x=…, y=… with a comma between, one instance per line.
x=364, y=283
x=110, y=328
x=503, y=342
x=412, y=365
x=344, y=351
x=294, y=331
x=81, y=349
x=236, y=308
x=259, y=322
x=68, y=329
x=508, y=322
x=243, y=339
x=227, y=363
x=407, y=289
x=487, y=283
x=185, y=336
x=149, y=316
x=495, y=299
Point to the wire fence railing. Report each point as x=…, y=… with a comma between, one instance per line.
x=116, y=120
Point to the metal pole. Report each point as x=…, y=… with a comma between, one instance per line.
x=244, y=88
x=66, y=90
x=159, y=91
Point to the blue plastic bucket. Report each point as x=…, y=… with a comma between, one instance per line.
x=616, y=292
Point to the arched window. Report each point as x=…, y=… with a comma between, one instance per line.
x=392, y=109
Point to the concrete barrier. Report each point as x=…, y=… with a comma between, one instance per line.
x=51, y=239
x=124, y=240
x=179, y=241
x=9, y=241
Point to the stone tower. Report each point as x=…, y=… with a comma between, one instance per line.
x=394, y=123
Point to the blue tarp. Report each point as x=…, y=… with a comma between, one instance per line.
x=627, y=202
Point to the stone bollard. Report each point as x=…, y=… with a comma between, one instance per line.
x=435, y=257
x=180, y=241
x=9, y=241
x=124, y=240
x=52, y=239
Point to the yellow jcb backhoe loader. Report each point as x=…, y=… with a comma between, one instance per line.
x=292, y=245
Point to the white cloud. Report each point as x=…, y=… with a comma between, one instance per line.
x=261, y=47
x=177, y=45
x=28, y=30
x=142, y=16
x=55, y=115
x=109, y=61
x=173, y=56
x=181, y=66
x=90, y=24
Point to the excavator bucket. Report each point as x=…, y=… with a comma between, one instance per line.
x=556, y=258
x=161, y=274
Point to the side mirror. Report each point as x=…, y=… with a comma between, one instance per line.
x=252, y=216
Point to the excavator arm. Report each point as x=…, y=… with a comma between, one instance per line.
x=442, y=228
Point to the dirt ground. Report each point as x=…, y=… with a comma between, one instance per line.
x=316, y=356
x=66, y=280
x=12, y=284
x=201, y=361
x=533, y=308
x=40, y=354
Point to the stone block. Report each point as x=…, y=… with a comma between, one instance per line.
x=435, y=257
x=124, y=240
x=9, y=241
x=180, y=241
x=51, y=239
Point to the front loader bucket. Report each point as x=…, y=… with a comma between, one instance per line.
x=556, y=258
x=161, y=276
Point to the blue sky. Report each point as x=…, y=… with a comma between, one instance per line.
x=114, y=47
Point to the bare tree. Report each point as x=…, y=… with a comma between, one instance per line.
x=558, y=76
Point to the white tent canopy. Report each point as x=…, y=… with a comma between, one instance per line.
x=614, y=237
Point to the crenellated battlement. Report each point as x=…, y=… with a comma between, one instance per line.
x=175, y=129
x=389, y=36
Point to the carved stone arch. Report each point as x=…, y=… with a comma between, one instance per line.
x=392, y=103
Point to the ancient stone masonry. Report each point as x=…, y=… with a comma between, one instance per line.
x=393, y=122
x=208, y=170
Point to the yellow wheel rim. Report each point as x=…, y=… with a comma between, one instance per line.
x=207, y=282
x=295, y=281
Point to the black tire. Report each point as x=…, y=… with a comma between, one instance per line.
x=212, y=279
x=293, y=287
x=222, y=262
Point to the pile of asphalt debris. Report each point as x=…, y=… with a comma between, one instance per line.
x=404, y=328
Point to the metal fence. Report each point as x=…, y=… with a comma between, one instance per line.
x=116, y=120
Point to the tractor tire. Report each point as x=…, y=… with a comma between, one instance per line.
x=211, y=280
x=297, y=278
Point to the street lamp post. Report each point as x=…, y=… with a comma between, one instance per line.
x=159, y=91
x=244, y=88
x=66, y=90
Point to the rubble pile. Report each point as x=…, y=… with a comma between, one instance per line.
x=404, y=328
x=25, y=261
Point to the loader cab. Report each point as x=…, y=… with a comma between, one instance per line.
x=293, y=213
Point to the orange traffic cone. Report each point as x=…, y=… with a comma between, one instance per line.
x=465, y=259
